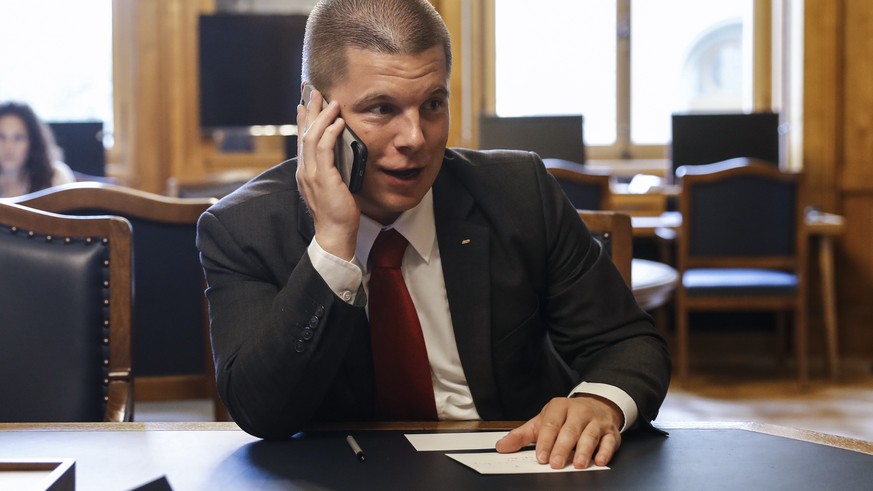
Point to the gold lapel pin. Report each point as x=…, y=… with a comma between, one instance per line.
x=465, y=241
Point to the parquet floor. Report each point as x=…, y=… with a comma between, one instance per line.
x=841, y=407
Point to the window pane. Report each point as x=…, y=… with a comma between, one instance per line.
x=57, y=57
x=687, y=55
x=558, y=57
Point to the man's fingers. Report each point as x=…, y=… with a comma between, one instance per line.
x=301, y=122
x=552, y=420
x=518, y=438
x=585, y=446
x=316, y=146
x=596, y=443
x=609, y=443
x=566, y=441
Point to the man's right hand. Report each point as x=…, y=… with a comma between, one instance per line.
x=334, y=211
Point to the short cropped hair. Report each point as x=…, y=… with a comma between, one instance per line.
x=397, y=27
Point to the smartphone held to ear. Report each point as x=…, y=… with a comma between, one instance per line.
x=350, y=154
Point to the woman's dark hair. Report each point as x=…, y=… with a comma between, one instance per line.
x=38, y=166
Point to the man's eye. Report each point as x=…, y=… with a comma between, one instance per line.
x=435, y=104
x=382, y=109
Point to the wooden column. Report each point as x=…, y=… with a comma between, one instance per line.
x=838, y=149
x=156, y=85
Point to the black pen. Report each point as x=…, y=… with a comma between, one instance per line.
x=356, y=448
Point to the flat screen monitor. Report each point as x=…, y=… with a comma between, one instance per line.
x=708, y=138
x=249, y=69
x=82, y=145
x=559, y=137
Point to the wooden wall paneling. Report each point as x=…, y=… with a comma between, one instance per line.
x=762, y=59
x=124, y=56
x=185, y=157
x=452, y=13
x=855, y=277
x=822, y=75
x=858, y=97
x=856, y=258
x=838, y=150
x=156, y=90
x=821, y=126
x=465, y=21
x=149, y=153
x=140, y=92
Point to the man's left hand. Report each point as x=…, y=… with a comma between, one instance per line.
x=585, y=422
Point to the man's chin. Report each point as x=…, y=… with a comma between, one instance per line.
x=386, y=211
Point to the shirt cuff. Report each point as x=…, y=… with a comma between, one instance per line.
x=613, y=394
x=343, y=277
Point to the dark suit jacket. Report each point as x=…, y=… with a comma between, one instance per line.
x=536, y=304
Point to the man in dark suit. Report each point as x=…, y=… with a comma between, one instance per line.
x=523, y=315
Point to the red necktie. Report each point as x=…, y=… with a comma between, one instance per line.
x=403, y=383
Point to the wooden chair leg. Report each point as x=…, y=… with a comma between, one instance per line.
x=782, y=341
x=800, y=335
x=682, y=342
x=829, y=301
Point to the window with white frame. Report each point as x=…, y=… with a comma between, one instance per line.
x=626, y=65
x=57, y=57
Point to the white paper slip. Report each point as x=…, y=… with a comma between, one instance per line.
x=477, y=440
x=524, y=462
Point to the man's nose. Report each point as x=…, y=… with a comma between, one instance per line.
x=410, y=134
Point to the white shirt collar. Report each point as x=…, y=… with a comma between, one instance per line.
x=416, y=224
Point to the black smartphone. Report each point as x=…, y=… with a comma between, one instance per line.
x=350, y=155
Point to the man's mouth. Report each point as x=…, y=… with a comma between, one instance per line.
x=404, y=173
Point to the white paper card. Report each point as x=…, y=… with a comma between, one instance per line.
x=524, y=462
x=478, y=440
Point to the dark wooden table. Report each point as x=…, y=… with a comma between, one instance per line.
x=214, y=456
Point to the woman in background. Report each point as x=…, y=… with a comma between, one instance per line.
x=27, y=153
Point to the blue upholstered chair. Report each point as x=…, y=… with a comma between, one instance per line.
x=65, y=298
x=171, y=350
x=587, y=190
x=741, y=247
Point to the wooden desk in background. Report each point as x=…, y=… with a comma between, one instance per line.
x=216, y=456
x=652, y=202
x=821, y=228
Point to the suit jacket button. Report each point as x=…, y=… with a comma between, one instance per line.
x=319, y=311
x=300, y=346
x=313, y=322
x=307, y=334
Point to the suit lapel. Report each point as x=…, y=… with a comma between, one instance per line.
x=464, y=249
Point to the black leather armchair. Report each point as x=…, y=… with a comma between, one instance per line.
x=171, y=350
x=65, y=296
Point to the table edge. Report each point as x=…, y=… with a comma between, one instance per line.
x=811, y=436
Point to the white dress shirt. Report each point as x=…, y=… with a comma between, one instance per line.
x=422, y=270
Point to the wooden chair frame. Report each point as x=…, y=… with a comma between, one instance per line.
x=618, y=227
x=563, y=170
x=117, y=231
